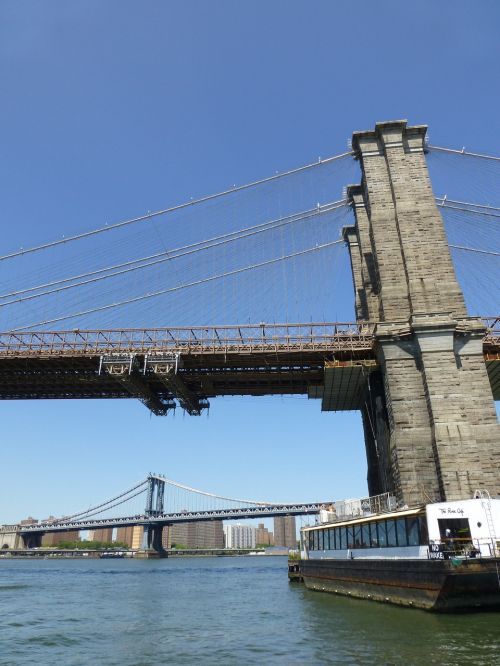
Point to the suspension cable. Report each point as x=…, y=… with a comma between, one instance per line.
x=444, y=200
x=179, y=287
x=448, y=203
x=110, y=506
x=169, y=255
x=113, y=499
x=164, y=211
x=475, y=249
x=222, y=497
x=463, y=152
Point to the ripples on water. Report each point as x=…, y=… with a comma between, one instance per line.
x=220, y=611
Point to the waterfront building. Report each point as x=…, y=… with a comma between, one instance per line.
x=131, y=536
x=263, y=536
x=285, y=533
x=29, y=521
x=103, y=535
x=124, y=535
x=55, y=538
x=239, y=536
x=204, y=534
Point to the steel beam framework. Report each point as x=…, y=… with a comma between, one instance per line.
x=262, y=511
x=190, y=365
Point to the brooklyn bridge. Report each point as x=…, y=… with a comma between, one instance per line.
x=132, y=309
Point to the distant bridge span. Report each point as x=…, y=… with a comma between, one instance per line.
x=155, y=515
x=267, y=511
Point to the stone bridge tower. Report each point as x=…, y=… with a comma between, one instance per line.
x=430, y=424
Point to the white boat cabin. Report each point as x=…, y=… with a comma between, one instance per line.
x=464, y=528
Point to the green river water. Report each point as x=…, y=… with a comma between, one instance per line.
x=231, y=610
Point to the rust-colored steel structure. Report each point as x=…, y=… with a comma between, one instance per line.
x=192, y=364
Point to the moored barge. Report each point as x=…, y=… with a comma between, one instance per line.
x=441, y=557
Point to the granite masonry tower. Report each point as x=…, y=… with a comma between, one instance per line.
x=430, y=424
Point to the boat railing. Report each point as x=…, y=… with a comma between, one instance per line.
x=469, y=548
x=348, y=509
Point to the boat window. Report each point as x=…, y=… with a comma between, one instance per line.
x=424, y=534
x=391, y=532
x=454, y=528
x=413, y=531
x=365, y=536
x=401, y=532
x=409, y=531
x=382, y=534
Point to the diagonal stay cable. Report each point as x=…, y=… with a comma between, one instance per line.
x=172, y=209
x=325, y=208
x=178, y=287
x=169, y=255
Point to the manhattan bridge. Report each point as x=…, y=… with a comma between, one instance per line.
x=366, y=280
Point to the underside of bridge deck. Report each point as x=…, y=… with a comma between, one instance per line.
x=337, y=378
x=201, y=377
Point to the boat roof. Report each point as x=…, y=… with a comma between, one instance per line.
x=366, y=519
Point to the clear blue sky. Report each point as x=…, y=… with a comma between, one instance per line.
x=113, y=108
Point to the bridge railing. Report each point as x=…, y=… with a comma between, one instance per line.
x=186, y=340
x=9, y=528
x=202, y=340
x=179, y=516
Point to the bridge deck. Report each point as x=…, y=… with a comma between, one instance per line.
x=264, y=511
x=320, y=360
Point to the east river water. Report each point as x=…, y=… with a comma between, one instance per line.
x=231, y=610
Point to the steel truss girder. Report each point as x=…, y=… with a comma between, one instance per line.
x=167, y=374
x=261, y=511
x=125, y=372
